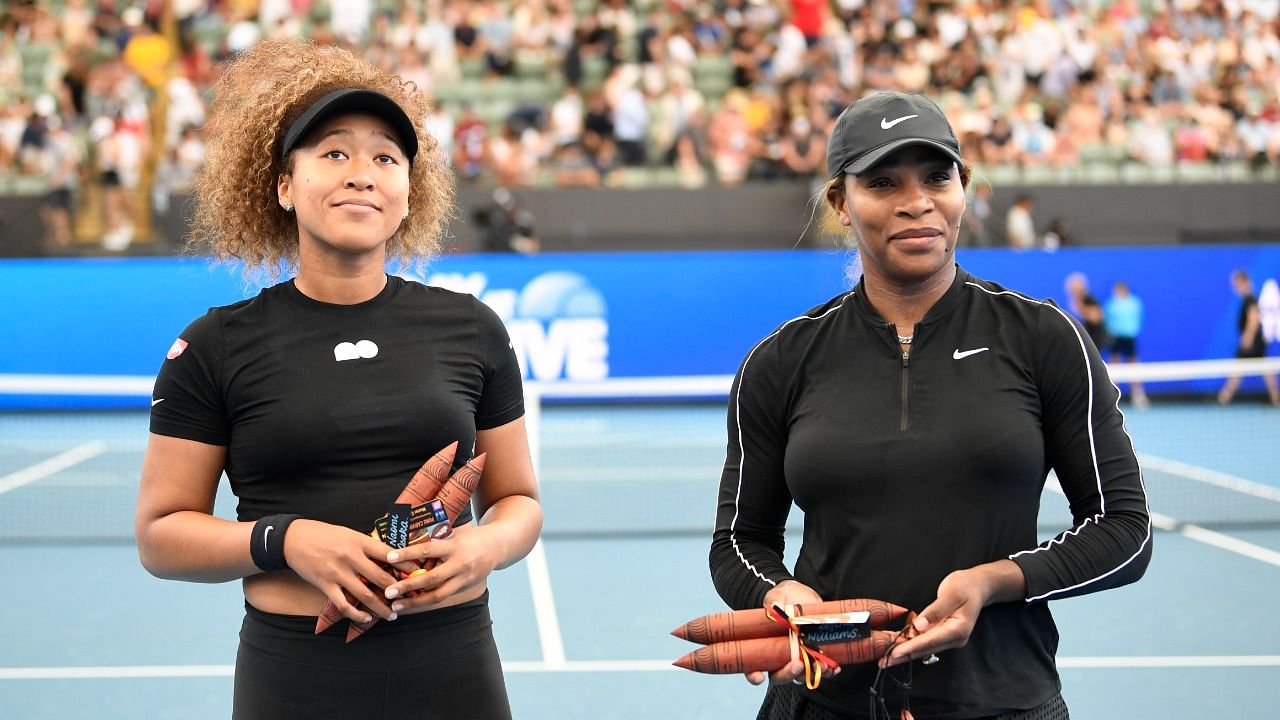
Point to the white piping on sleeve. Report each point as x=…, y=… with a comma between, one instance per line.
x=1093, y=453
x=737, y=408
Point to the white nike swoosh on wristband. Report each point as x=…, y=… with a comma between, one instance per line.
x=265, y=533
x=886, y=123
x=958, y=355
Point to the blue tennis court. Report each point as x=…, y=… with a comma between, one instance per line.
x=583, y=622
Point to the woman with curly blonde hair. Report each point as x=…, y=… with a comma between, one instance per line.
x=321, y=396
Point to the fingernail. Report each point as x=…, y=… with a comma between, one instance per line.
x=366, y=619
x=392, y=616
x=392, y=592
x=397, y=607
x=393, y=556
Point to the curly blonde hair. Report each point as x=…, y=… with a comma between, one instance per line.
x=237, y=211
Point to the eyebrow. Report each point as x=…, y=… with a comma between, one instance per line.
x=348, y=132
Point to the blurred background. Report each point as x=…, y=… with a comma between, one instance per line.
x=1134, y=121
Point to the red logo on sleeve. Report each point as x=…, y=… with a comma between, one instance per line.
x=176, y=349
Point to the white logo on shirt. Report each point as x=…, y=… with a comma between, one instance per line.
x=156, y=402
x=958, y=355
x=886, y=123
x=352, y=351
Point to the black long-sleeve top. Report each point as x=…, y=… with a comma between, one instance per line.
x=908, y=466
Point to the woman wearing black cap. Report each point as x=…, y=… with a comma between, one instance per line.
x=322, y=395
x=914, y=420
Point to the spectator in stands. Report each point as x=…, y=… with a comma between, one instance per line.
x=177, y=173
x=988, y=64
x=681, y=109
x=1150, y=142
x=1251, y=342
x=507, y=227
x=1057, y=235
x=729, y=140
x=1033, y=140
x=1123, y=316
x=608, y=164
x=631, y=119
x=977, y=221
x=13, y=122
x=62, y=166
x=1019, y=223
x=470, y=145
x=998, y=147
x=1255, y=132
x=513, y=159
x=571, y=165
x=108, y=152
x=566, y=117
x=690, y=164
x=804, y=148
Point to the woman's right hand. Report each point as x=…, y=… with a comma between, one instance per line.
x=786, y=594
x=336, y=560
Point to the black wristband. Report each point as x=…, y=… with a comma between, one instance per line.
x=266, y=543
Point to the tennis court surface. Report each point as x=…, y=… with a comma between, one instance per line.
x=583, y=623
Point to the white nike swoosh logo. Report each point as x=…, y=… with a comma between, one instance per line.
x=886, y=123
x=156, y=402
x=265, y=533
x=962, y=355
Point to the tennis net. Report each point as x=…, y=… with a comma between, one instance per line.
x=631, y=457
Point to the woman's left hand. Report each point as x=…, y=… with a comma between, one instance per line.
x=948, y=621
x=459, y=564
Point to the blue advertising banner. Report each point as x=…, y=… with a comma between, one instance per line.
x=586, y=317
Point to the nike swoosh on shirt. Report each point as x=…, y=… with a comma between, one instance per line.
x=886, y=123
x=156, y=402
x=960, y=355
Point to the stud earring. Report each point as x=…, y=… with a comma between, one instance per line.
x=288, y=208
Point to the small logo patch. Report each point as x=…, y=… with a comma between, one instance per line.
x=886, y=123
x=351, y=351
x=176, y=349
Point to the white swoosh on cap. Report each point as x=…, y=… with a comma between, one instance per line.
x=886, y=123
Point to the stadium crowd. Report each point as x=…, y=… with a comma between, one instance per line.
x=688, y=92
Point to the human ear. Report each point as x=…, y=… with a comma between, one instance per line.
x=837, y=200
x=284, y=190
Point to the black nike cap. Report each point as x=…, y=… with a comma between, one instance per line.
x=353, y=101
x=875, y=126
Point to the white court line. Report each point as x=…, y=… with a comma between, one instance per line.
x=1226, y=542
x=544, y=607
x=1210, y=477
x=606, y=666
x=1195, y=532
x=55, y=464
x=1171, y=661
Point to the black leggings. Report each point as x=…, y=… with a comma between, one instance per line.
x=440, y=664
